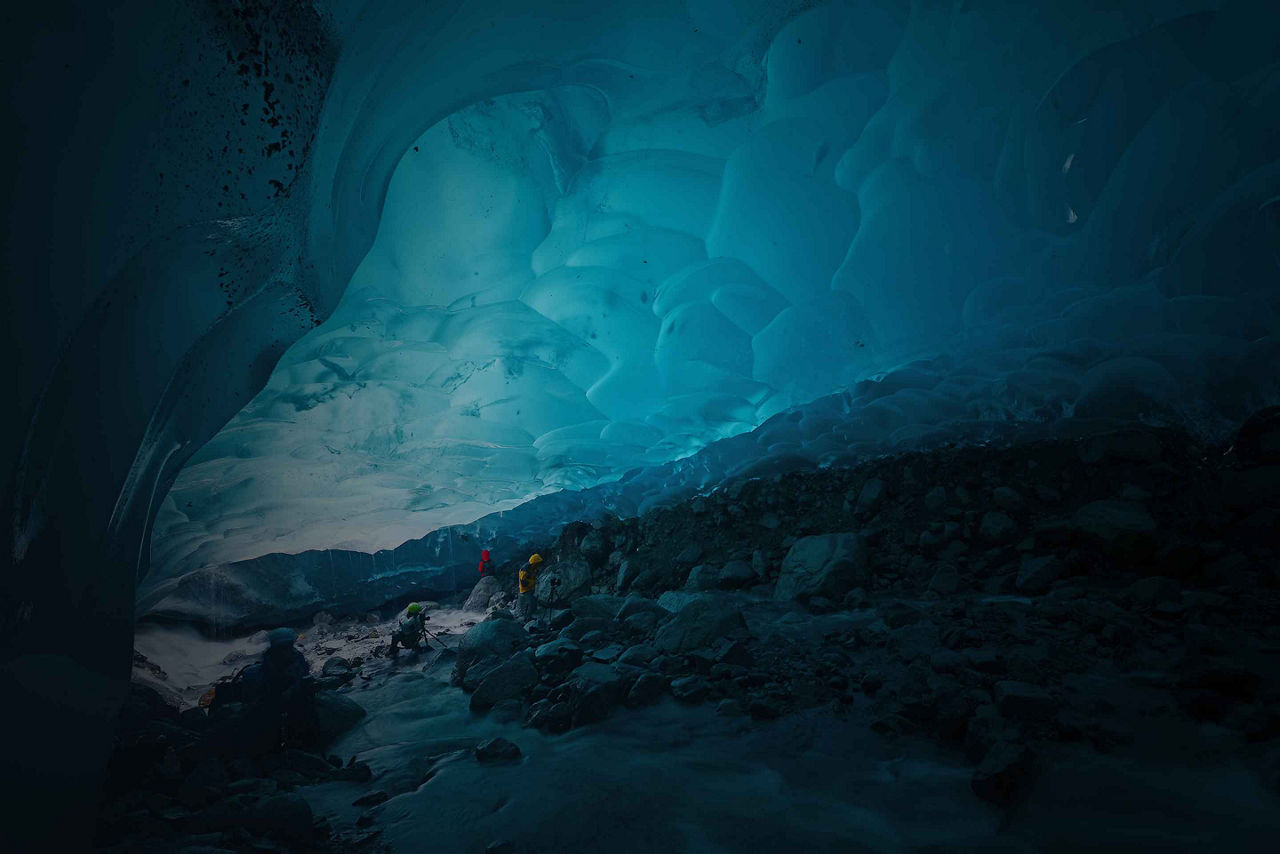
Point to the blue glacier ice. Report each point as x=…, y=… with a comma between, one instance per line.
x=635, y=241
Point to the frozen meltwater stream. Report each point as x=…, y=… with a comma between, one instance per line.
x=685, y=779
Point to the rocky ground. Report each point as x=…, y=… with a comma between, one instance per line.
x=1025, y=613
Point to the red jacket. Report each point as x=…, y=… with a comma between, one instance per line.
x=484, y=561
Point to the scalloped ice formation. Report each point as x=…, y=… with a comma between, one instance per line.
x=626, y=233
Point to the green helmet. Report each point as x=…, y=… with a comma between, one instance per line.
x=413, y=608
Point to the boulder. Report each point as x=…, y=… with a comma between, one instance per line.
x=1023, y=701
x=558, y=656
x=997, y=527
x=870, y=497
x=1008, y=500
x=497, y=750
x=490, y=639
x=733, y=575
x=673, y=600
x=828, y=565
x=935, y=499
x=646, y=689
x=639, y=655
x=689, y=689
x=580, y=628
x=482, y=593
x=641, y=605
x=945, y=581
x=1153, y=591
x=628, y=571
x=699, y=624
x=1112, y=520
x=508, y=681
x=334, y=715
x=703, y=577
x=595, y=547
x=1004, y=774
x=1037, y=573
x=689, y=555
x=600, y=606
x=736, y=574
x=641, y=624
x=574, y=577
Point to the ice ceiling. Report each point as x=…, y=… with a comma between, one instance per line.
x=573, y=239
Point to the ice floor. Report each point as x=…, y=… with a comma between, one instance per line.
x=676, y=778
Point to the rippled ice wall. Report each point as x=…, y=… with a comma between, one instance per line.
x=584, y=239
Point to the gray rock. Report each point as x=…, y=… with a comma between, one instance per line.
x=1037, y=573
x=673, y=601
x=639, y=655
x=1153, y=591
x=689, y=689
x=490, y=639
x=870, y=497
x=646, y=689
x=1023, y=701
x=334, y=715
x=574, y=577
x=946, y=580
x=497, y=750
x=594, y=639
x=1111, y=520
x=482, y=593
x=628, y=571
x=703, y=577
x=599, y=606
x=736, y=574
x=689, y=555
x=699, y=624
x=579, y=629
x=508, y=681
x=595, y=548
x=560, y=655
x=641, y=624
x=636, y=604
x=764, y=709
x=935, y=499
x=828, y=565
x=1004, y=774
x=997, y=527
x=1008, y=500
x=606, y=654
x=335, y=666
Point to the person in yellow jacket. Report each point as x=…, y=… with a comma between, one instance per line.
x=528, y=577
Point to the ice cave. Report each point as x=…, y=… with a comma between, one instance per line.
x=644, y=425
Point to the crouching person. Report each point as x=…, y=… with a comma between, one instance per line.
x=409, y=629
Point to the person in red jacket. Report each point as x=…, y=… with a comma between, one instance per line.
x=485, y=567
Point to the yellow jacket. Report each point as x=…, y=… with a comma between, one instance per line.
x=529, y=574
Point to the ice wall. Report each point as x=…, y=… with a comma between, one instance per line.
x=656, y=225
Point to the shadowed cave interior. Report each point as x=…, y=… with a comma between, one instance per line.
x=889, y=391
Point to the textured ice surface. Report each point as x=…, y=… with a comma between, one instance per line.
x=652, y=227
